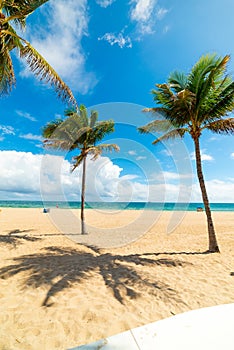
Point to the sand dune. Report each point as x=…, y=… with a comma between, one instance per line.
x=56, y=293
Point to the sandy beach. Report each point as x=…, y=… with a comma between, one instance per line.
x=57, y=294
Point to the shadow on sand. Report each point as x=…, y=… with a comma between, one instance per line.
x=58, y=268
x=16, y=237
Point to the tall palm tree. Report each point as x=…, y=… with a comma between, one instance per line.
x=13, y=15
x=80, y=132
x=201, y=100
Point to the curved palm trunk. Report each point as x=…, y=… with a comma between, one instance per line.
x=213, y=245
x=83, y=228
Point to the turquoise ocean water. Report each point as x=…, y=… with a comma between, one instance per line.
x=118, y=206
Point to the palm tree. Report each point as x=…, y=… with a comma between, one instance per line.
x=13, y=13
x=201, y=100
x=80, y=132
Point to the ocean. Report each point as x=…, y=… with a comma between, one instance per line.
x=118, y=205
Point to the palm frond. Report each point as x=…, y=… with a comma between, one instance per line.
x=70, y=112
x=223, y=101
x=7, y=76
x=58, y=144
x=83, y=115
x=17, y=11
x=93, y=119
x=97, y=150
x=76, y=161
x=222, y=126
x=49, y=129
x=163, y=95
x=175, y=133
x=160, y=111
x=178, y=81
x=209, y=83
x=199, y=71
x=100, y=130
x=9, y=39
x=41, y=68
x=156, y=126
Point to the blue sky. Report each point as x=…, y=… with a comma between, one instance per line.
x=111, y=53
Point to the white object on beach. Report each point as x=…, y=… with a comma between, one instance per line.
x=209, y=328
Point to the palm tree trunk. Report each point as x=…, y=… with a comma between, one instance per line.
x=83, y=228
x=213, y=245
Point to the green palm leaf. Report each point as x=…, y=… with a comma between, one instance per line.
x=76, y=161
x=192, y=104
x=41, y=68
x=17, y=11
x=222, y=126
x=156, y=126
x=173, y=134
x=7, y=76
x=99, y=149
x=178, y=81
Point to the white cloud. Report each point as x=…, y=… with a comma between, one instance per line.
x=232, y=155
x=143, y=14
x=20, y=173
x=165, y=176
x=219, y=191
x=26, y=115
x=119, y=39
x=140, y=157
x=25, y=175
x=7, y=130
x=143, y=10
x=161, y=13
x=60, y=43
x=105, y=3
x=132, y=153
x=204, y=156
x=30, y=136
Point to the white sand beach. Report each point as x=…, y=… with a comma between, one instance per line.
x=58, y=294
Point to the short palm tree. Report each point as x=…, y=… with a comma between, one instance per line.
x=80, y=132
x=201, y=100
x=13, y=14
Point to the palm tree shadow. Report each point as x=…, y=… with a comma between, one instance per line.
x=59, y=268
x=15, y=237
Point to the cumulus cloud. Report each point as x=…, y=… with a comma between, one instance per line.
x=26, y=115
x=105, y=3
x=117, y=39
x=219, y=191
x=204, y=156
x=60, y=42
x=20, y=174
x=232, y=155
x=30, y=176
x=142, y=13
x=169, y=176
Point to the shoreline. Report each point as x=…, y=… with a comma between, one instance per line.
x=106, y=209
